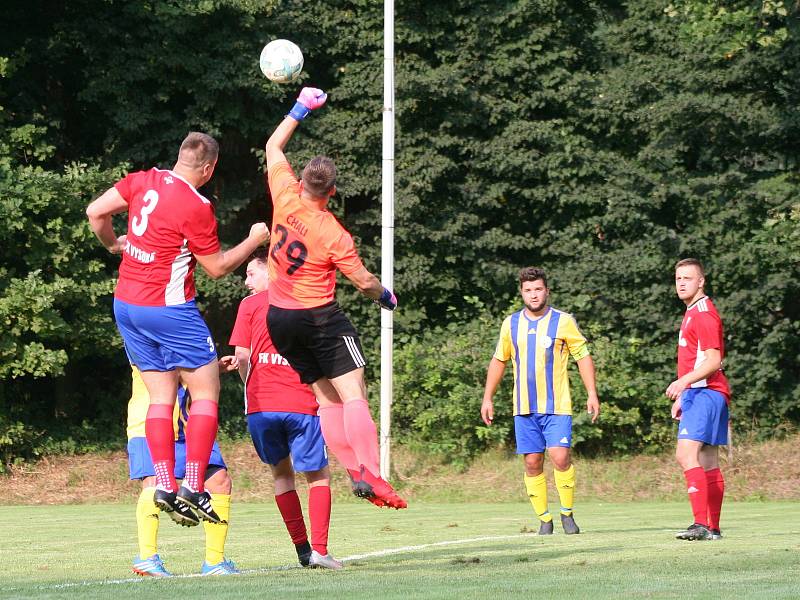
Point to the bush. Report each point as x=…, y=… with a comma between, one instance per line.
x=439, y=380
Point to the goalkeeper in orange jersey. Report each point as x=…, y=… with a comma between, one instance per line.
x=306, y=324
x=539, y=340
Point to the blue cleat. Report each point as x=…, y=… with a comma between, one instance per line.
x=150, y=567
x=226, y=567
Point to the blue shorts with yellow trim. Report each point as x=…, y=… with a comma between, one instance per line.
x=140, y=465
x=277, y=435
x=537, y=432
x=704, y=417
x=162, y=338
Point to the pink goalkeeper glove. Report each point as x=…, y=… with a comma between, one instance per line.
x=308, y=100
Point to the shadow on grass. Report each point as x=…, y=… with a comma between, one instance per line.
x=475, y=556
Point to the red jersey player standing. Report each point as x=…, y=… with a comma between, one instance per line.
x=283, y=422
x=701, y=396
x=305, y=322
x=171, y=227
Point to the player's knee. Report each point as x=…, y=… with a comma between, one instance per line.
x=562, y=463
x=685, y=458
x=220, y=483
x=534, y=464
x=320, y=477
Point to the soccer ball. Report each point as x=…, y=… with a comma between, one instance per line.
x=281, y=61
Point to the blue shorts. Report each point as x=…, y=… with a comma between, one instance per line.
x=536, y=432
x=277, y=435
x=140, y=465
x=161, y=338
x=704, y=417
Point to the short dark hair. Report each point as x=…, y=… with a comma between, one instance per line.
x=319, y=176
x=691, y=262
x=260, y=254
x=532, y=274
x=201, y=147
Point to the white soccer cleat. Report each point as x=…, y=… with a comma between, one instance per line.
x=317, y=561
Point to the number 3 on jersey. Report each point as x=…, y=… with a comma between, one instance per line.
x=139, y=225
x=296, y=251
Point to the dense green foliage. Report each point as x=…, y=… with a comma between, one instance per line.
x=602, y=140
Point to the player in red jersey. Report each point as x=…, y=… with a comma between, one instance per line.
x=171, y=227
x=283, y=422
x=701, y=396
x=305, y=322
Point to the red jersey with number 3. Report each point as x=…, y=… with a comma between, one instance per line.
x=169, y=222
x=701, y=330
x=306, y=247
x=272, y=385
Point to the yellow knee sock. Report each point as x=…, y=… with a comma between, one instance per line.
x=537, y=492
x=565, y=484
x=147, y=523
x=217, y=533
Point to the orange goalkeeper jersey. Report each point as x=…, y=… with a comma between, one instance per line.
x=306, y=247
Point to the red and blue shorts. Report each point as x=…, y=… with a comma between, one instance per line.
x=140, y=464
x=163, y=338
x=704, y=417
x=277, y=435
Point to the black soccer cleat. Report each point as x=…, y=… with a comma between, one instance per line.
x=361, y=488
x=569, y=525
x=694, y=532
x=716, y=534
x=200, y=502
x=180, y=513
x=303, y=553
x=546, y=528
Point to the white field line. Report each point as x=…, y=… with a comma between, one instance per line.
x=377, y=553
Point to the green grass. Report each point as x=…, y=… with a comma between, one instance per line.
x=626, y=550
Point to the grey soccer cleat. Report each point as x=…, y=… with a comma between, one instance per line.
x=317, y=561
x=546, y=528
x=695, y=532
x=569, y=525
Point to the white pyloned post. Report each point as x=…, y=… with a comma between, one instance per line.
x=387, y=232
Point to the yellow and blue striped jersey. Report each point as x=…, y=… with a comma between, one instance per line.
x=140, y=401
x=540, y=349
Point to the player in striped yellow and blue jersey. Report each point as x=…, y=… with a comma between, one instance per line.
x=539, y=341
x=140, y=464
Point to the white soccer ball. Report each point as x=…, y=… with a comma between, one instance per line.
x=281, y=61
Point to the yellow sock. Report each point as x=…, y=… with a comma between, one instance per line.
x=147, y=523
x=217, y=533
x=565, y=484
x=537, y=492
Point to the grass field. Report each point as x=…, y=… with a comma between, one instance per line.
x=429, y=551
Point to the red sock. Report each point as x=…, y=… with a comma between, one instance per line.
x=201, y=431
x=716, y=491
x=160, y=433
x=292, y=513
x=331, y=420
x=362, y=434
x=697, y=489
x=319, y=512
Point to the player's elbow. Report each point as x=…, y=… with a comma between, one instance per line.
x=93, y=213
x=215, y=271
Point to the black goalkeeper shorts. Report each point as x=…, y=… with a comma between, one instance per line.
x=317, y=342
